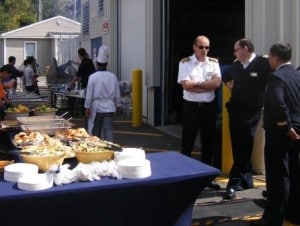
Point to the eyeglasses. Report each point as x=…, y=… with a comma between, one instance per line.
x=203, y=47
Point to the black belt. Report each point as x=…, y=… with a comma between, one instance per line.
x=200, y=104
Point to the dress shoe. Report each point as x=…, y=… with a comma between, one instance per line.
x=239, y=188
x=230, y=193
x=214, y=185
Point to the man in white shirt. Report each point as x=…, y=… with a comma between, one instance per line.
x=200, y=76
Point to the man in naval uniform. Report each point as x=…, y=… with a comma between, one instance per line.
x=102, y=98
x=246, y=78
x=199, y=76
x=281, y=117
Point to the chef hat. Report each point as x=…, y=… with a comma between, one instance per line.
x=102, y=54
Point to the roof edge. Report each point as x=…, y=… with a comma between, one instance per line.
x=37, y=23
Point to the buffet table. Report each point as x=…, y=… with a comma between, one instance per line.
x=29, y=99
x=165, y=198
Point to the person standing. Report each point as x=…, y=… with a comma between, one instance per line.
x=102, y=98
x=199, y=76
x=281, y=121
x=5, y=73
x=246, y=78
x=15, y=72
x=30, y=76
x=85, y=69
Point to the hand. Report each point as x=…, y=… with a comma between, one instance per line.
x=293, y=134
x=87, y=112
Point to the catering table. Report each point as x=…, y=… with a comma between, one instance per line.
x=31, y=100
x=165, y=198
x=71, y=101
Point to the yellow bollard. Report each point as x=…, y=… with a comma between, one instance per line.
x=227, y=160
x=136, y=98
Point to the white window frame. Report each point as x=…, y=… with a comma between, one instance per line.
x=35, y=49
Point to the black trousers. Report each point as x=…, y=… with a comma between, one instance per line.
x=200, y=116
x=242, y=127
x=282, y=163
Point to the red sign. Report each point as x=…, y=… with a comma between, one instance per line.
x=105, y=25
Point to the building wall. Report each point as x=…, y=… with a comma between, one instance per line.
x=134, y=37
x=15, y=47
x=269, y=21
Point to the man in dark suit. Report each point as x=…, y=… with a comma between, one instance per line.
x=281, y=117
x=246, y=78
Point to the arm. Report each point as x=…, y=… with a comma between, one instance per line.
x=201, y=87
x=10, y=84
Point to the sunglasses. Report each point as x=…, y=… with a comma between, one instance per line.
x=203, y=47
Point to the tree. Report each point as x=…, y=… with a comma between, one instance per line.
x=64, y=8
x=16, y=13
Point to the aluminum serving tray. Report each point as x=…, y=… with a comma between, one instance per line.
x=50, y=129
x=47, y=119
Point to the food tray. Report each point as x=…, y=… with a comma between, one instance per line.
x=14, y=115
x=50, y=129
x=49, y=119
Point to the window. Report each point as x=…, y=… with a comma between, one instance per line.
x=30, y=49
x=86, y=19
x=101, y=7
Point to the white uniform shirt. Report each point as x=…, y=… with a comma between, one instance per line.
x=102, y=94
x=103, y=88
x=191, y=69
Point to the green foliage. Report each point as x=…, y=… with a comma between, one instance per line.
x=16, y=13
x=19, y=13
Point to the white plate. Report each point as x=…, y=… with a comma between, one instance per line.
x=134, y=168
x=127, y=153
x=14, y=171
x=35, y=182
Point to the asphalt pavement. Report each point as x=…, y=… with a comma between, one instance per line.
x=210, y=208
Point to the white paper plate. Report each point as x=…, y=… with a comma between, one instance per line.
x=126, y=153
x=35, y=182
x=134, y=168
x=14, y=171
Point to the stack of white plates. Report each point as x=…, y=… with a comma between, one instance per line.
x=14, y=171
x=35, y=182
x=134, y=168
x=126, y=153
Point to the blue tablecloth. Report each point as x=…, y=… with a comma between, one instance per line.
x=165, y=198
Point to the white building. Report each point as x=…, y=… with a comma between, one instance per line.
x=153, y=35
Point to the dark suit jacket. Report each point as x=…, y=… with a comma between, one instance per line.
x=282, y=104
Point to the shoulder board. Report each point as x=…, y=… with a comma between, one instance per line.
x=186, y=59
x=265, y=56
x=213, y=59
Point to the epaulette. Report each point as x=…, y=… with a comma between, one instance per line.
x=186, y=59
x=213, y=59
x=265, y=56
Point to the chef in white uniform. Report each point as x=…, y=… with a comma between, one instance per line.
x=102, y=99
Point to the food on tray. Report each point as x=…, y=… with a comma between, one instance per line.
x=70, y=134
x=23, y=138
x=44, y=108
x=89, y=146
x=49, y=146
x=4, y=163
x=44, y=159
x=20, y=108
